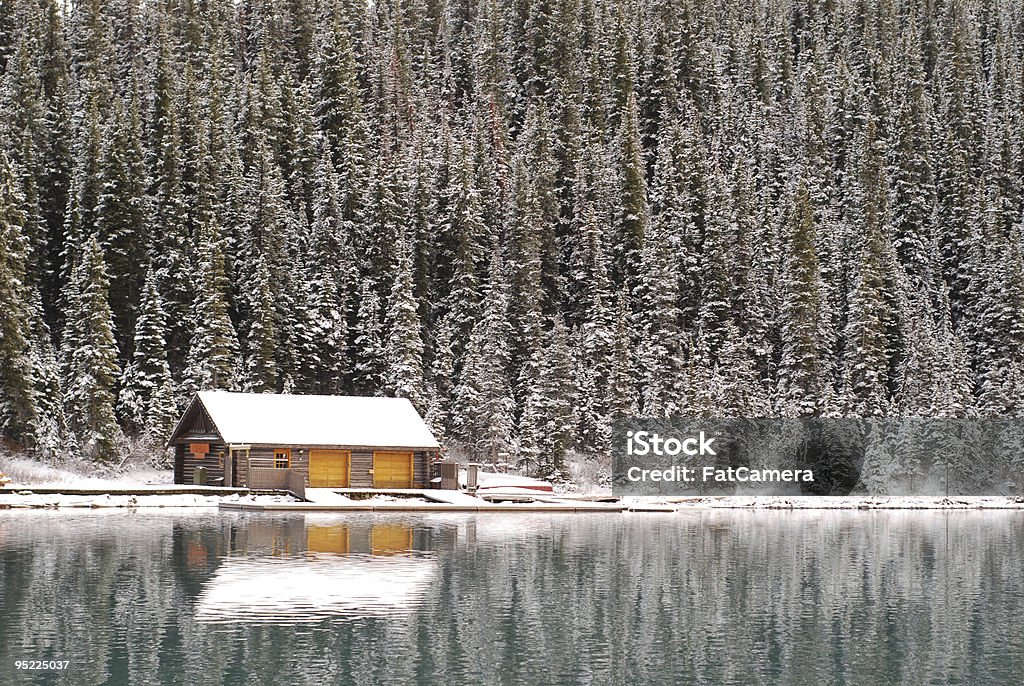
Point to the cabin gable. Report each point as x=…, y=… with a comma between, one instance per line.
x=195, y=425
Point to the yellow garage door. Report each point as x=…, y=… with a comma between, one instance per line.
x=392, y=470
x=328, y=468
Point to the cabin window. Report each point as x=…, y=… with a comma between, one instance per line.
x=282, y=458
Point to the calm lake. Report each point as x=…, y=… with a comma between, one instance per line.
x=706, y=598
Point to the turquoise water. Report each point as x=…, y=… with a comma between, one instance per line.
x=707, y=598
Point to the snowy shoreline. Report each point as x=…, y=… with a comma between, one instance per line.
x=849, y=502
x=22, y=497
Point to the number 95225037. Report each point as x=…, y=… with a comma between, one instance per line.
x=41, y=665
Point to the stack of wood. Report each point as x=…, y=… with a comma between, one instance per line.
x=4, y=480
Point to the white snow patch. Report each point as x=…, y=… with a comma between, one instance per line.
x=853, y=502
x=19, y=498
x=27, y=472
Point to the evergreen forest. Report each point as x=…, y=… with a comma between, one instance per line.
x=529, y=217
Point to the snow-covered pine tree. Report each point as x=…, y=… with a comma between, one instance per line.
x=213, y=355
x=294, y=347
x=18, y=412
x=737, y=387
x=83, y=194
x=659, y=352
x=593, y=301
x=537, y=154
x=482, y=413
x=55, y=158
x=873, y=326
x=332, y=274
x=683, y=173
x=997, y=320
x=89, y=354
x=633, y=219
x=799, y=381
x=171, y=257
x=121, y=217
x=622, y=397
x=51, y=426
x=442, y=380
x=259, y=366
x=714, y=316
x=147, y=373
x=912, y=183
x=549, y=417
x=524, y=266
x=462, y=235
x=368, y=362
x=336, y=98
x=21, y=124
x=403, y=347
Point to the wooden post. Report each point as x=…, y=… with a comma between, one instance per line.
x=229, y=471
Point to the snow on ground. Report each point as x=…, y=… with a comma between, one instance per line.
x=587, y=474
x=28, y=474
x=25, y=472
x=25, y=498
x=852, y=502
x=20, y=498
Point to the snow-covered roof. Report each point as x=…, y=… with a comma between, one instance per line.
x=316, y=420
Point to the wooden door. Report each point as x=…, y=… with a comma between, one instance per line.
x=392, y=469
x=329, y=468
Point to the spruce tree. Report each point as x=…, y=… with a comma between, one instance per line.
x=482, y=414
x=463, y=233
x=213, y=355
x=18, y=411
x=524, y=264
x=89, y=354
x=145, y=377
x=800, y=368
x=403, y=348
x=622, y=398
x=632, y=222
x=121, y=217
x=442, y=380
x=51, y=427
x=548, y=419
x=169, y=212
x=368, y=361
x=331, y=276
x=259, y=366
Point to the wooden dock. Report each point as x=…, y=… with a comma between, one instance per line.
x=414, y=500
x=419, y=507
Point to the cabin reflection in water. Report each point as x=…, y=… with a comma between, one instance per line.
x=297, y=535
x=297, y=569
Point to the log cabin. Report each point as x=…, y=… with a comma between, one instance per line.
x=290, y=442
